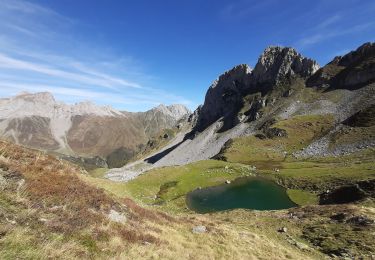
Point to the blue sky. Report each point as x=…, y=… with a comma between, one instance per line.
x=134, y=55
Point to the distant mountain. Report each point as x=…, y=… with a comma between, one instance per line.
x=83, y=129
x=161, y=117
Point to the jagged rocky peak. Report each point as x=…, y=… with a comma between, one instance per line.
x=178, y=110
x=236, y=73
x=278, y=63
x=224, y=96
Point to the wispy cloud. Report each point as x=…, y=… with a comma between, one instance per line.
x=40, y=52
x=96, y=79
x=28, y=8
x=333, y=21
x=325, y=35
x=329, y=21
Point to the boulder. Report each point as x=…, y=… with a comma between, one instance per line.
x=283, y=230
x=361, y=221
x=199, y=229
x=116, y=216
x=275, y=132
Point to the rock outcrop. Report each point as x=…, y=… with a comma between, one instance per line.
x=277, y=65
x=225, y=97
x=351, y=71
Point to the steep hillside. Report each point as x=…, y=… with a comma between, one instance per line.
x=84, y=129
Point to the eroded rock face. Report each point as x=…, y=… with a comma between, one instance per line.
x=278, y=64
x=353, y=70
x=193, y=117
x=224, y=97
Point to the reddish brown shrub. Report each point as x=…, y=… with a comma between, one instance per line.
x=136, y=236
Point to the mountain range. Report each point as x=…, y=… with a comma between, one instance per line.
x=84, y=130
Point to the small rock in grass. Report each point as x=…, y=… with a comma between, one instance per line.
x=302, y=246
x=116, y=216
x=199, y=229
x=13, y=222
x=283, y=230
x=360, y=221
x=340, y=217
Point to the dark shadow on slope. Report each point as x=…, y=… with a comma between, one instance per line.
x=153, y=159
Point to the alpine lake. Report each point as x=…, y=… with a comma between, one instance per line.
x=246, y=193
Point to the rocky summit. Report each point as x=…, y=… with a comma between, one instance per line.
x=224, y=96
x=276, y=66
